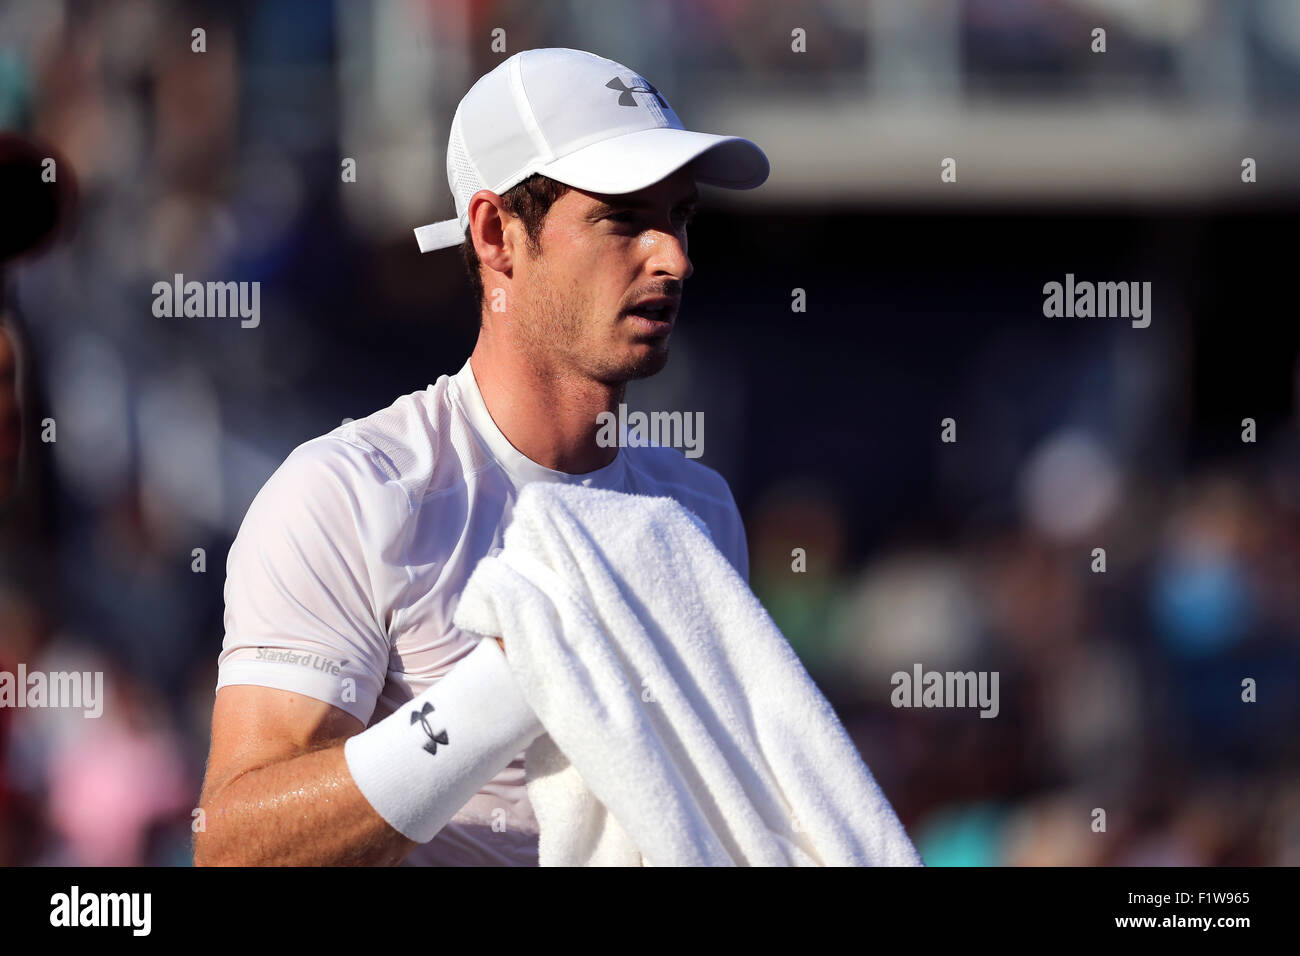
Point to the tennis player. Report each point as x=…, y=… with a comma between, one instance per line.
x=353, y=723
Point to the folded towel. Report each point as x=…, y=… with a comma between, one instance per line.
x=682, y=729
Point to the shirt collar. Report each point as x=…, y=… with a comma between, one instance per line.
x=516, y=464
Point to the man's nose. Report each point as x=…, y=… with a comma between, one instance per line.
x=668, y=257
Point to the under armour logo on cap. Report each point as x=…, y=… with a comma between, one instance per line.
x=625, y=92
x=550, y=112
x=419, y=717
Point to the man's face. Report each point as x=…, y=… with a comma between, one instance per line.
x=587, y=302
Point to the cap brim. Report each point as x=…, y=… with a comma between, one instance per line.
x=634, y=161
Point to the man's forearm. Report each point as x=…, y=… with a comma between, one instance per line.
x=304, y=811
x=368, y=799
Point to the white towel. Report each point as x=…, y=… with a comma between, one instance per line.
x=682, y=729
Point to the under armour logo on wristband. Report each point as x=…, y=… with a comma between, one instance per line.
x=625, y=97
x=434, y=739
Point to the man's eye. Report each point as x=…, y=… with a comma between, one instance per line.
x=623, y=216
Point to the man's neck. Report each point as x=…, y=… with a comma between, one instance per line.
x=546, y=414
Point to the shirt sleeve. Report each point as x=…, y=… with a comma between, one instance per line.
x=306, y=590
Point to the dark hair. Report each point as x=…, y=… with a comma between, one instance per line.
x=530, y=200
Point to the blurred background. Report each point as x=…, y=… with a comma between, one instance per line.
x=1119, y=690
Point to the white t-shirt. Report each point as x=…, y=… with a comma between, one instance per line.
x=348, y=567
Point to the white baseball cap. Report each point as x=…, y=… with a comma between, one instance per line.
x=583, y=120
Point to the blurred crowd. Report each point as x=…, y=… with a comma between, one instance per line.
x=1120, y=689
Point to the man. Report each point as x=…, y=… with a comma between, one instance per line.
x=354, y=724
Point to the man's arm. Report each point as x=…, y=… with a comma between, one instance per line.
x=293, y=777
x=278, y=790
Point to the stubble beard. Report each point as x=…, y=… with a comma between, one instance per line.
x=552, y=338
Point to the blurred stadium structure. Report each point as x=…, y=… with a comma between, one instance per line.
x=1119, y=690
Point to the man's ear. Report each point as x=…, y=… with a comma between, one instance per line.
x=489, y=231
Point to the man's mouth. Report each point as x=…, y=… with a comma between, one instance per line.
x=658, y=312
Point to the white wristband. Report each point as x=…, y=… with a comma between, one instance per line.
x=424, y=761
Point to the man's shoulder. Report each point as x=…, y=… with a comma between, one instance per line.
x=672, y=471
x=666, y=472
x=420, y=443
x=403, y=439
x=396, y=456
